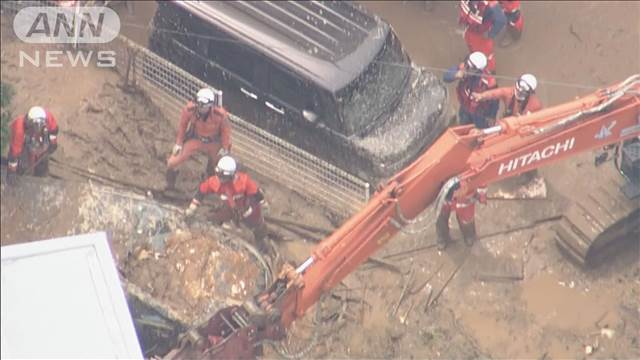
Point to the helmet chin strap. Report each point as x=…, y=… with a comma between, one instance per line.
x=226, y=178
x=203, y=114
x=522, y=95
x=472, y=71
x=35, y=124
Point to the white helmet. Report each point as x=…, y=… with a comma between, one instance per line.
x=205, y=96
x=525, y=85
x=226, y=168
x=477, y=60
x=527, y=82
x=204, y=100
x=36, y=115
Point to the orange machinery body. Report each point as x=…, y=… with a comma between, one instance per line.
x=477, y=158
x=460, y=161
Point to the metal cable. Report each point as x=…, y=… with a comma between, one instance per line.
x=446, y=188
x=403, y=65
x=402, y=224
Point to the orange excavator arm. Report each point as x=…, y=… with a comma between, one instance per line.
x=460, y=161
x=524, y=143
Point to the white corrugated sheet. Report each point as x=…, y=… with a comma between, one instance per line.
x=62, y=299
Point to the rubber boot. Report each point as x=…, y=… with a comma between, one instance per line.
x=42, y=168
x=468, y=232
x=508, y=37
x=171, y=177
x=514, y=32
x=442, y=230
x=260, y=238
x=12, y=178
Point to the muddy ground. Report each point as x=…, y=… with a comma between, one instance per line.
x=512, y=295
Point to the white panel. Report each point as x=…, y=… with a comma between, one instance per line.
x=62, y=298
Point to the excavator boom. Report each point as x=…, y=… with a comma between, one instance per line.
x=477, y=158
x=460, y=161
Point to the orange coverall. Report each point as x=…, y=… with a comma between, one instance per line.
x=204, y=135
x=239, y=195
x=36, y=142
x=512, y=106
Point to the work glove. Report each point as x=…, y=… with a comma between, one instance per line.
x=12, y=178
x=176, y=150
x=190, y=210
x=476, y=96
x=222, y=152
x=247, y=212
x=481, y=195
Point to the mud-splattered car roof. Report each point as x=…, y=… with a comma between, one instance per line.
x=329, y=42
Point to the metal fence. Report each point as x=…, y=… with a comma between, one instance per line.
x=170, y=87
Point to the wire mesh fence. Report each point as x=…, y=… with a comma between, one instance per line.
x=170, y=87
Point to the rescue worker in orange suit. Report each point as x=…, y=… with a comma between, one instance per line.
x=242, y=197
x=203, y=127
x=34, y=136
x=515, y=21
x=465, y=214
x=517, y=100
x=472, y=78
x=483, y=21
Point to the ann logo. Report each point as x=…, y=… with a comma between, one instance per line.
x=63, y=25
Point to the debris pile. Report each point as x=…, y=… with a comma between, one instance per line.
x=194, y=273
x=186, y=272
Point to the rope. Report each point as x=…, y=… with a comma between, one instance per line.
x=403, y=65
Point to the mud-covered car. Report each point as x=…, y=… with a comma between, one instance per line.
x=326, y=76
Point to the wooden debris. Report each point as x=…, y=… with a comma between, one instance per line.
x=364, y=294
x=406, y=314
x=500, y=277
x=385, y=264
x=404, y=291
x=411, y=251
x=428, y=302
x=419, y=288
x=313, y=229
x=524, y=227
x=446, y=283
